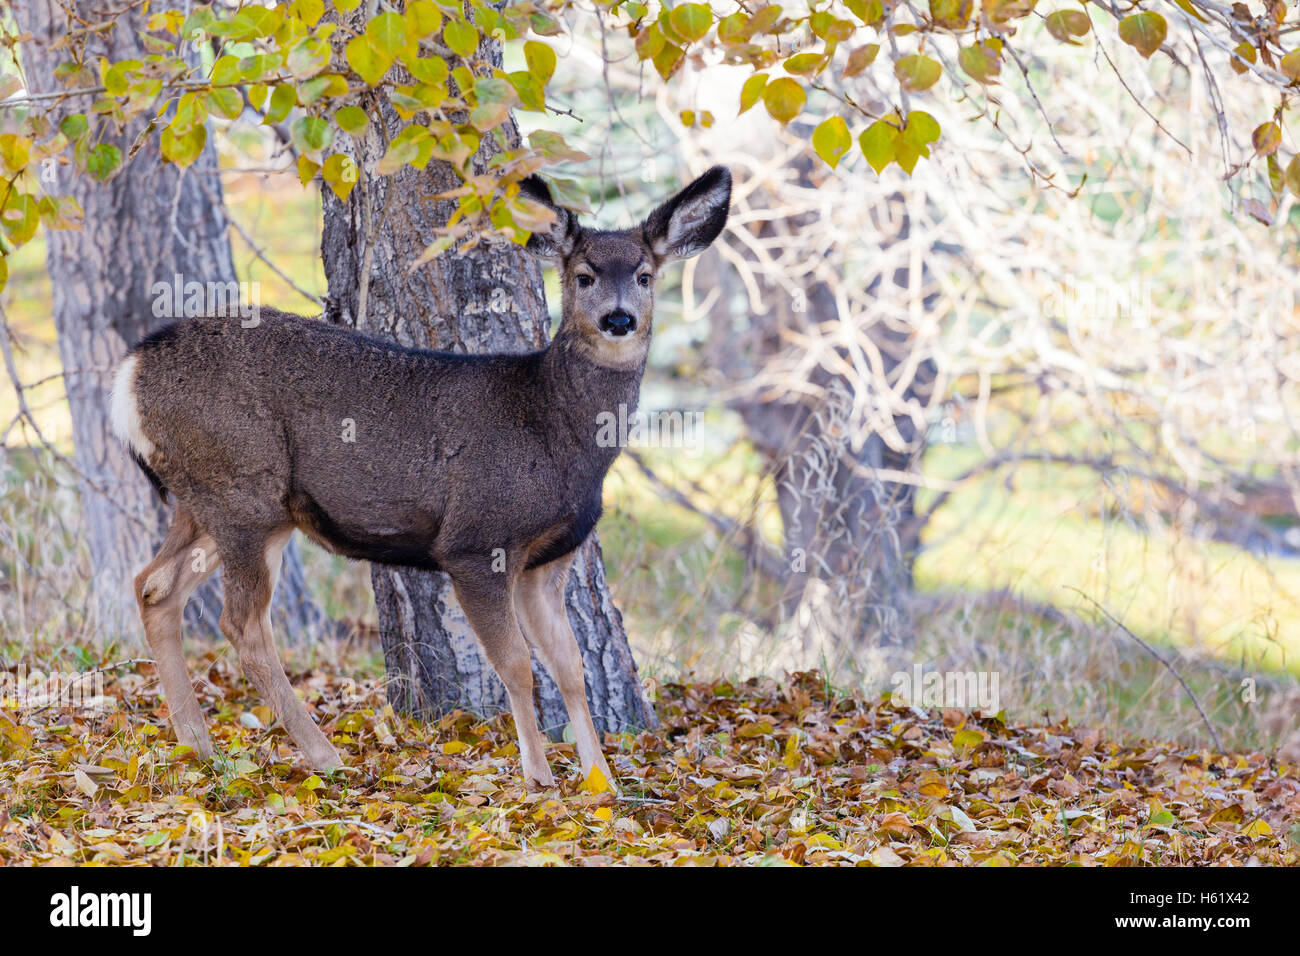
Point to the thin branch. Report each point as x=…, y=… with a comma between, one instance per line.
x=1218, y=746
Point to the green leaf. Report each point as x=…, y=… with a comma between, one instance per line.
x=805, y=64
x=22, y=217
x=649, y=42
x=541, y=60
x=879, y=143
x=921, y=128
x=307, y=58
x=259, y=66
x=306, y=170
x=340, y=174
x=752, y=90
x=983, y=61
x=15, y=152
x=831, y=140
x=868, y=11
x=388, y=34
x=784, y=99
x=422, y=18
x=308, y=11
x=544, y=25
x=569, y=193
x=310, y=134
x=734, y=29
x=369, y=62
x=552, y=145
x=461, y=37
x=352, y=120
x=399, y=153
x=691, y=20
x=226, y=70
x=190, y=112
x=951, y=14
x=917, y=72
x=431, y=70
x=283, y=99
x=1292, y=176
x=183, y=148
x=118, y=76
x=331, y=84
x=830, y=28
x=493, y=99
x=531, y=94
x=1145, y=32
x=74, y=125
x=225, y=102
x=1290, y=64
x=668, y=59
x=1266, y=138
x=1066, y=25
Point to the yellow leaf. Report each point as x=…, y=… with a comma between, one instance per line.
x=84, y=783
x=831, y=140
x=932, y=785
x=791, y=752
x=1145, y=32
x=784, y=99
x=596, y=782
x=1257, y=828
x=884, y=856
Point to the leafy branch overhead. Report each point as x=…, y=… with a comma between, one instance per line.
x=853, y=68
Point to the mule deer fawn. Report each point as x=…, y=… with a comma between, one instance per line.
x=456, y=460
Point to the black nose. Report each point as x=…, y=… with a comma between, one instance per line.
x=618, y=323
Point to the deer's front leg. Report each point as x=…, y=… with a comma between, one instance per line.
x=540, y=598
x=486, y=599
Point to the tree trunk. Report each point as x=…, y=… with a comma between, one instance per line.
x=488, y=300
x=842, y=523
x=149, y=224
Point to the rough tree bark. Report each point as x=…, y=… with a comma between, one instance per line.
x=490, y=300
x=147, y=225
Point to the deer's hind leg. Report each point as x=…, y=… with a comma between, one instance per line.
x=252, y=569
x=187, y=557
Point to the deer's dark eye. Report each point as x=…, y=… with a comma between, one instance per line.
x=643, y=279
x=585, y=281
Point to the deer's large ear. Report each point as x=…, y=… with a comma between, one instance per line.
x=558, y=241
x=686, y=224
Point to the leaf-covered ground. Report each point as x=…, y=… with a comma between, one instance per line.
x=762, y=773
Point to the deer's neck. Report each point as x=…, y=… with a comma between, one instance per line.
x=581, y=392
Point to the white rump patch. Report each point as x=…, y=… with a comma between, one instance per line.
x=124, y=410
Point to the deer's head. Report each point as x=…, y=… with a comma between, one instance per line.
x=608, y=275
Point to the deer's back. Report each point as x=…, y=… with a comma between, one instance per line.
x=397, y=455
